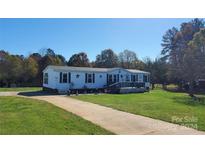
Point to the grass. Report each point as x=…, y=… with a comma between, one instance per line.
x=29, y=116
x=21, y=89
x=158, y=104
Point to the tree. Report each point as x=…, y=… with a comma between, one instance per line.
x=50, y=58
x=30, y=69
x=175, y=44
x=139, y=64
x=11, y=69
x=62, y=59
x=168, y=43
x=3, y=67
x=47, y=51
x=79, y=60
x=92, y=64
x=127, y=59
x=193, y=67
x=157, y=69
x=23, y=70
x=107, y=58
x=36, y=56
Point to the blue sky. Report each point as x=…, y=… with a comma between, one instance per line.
x=69, y=36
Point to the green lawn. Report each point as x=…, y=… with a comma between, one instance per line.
x=21, y=89
x=158, y=104
x=29, y=116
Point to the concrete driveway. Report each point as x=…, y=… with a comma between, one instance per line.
x=8, y=93
x=116, y=121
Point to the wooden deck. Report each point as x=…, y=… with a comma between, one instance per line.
x=126, y=87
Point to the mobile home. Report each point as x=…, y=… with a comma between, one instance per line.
x=66, y=78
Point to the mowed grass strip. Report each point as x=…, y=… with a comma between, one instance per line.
x=157, y=104
x=29, y=116
x=21, y=89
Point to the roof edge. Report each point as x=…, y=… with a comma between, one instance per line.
x=108, y=69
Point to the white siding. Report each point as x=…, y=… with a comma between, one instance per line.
x=80, y=82
x=51, y=79
x=76, y=83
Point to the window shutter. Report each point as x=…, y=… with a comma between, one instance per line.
x=86, y=78
x=69, y=77
x=118, y=77
x=93, y=78
x=60, y=77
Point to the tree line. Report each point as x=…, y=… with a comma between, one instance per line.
x=182, y=60
x=27, y=71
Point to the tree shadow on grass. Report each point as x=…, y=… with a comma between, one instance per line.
x=189, y=101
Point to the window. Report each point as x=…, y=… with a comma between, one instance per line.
x=140, y=77
x=114, y=78
x=145, y=78
x=133, y=78
x=127, y=78
x=45, y=78
x=110, y=78
x=65, y=77
x=89, y=78
x=136, y=78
